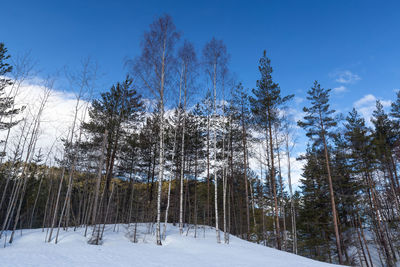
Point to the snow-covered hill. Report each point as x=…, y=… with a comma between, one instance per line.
x=117, y=250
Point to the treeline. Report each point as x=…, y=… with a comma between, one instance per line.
x=152, y=149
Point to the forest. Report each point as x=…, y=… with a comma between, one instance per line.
x=181, y=141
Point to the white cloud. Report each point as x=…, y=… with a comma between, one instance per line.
x=58, y=116
x=340, y=89
x=56, y=119
x=369, y=99
x=386, y=103
x=295, y=115
x=366, y=105
x=258, y=160
x=365, y=100
x=345, y=76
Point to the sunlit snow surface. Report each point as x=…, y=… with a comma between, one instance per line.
x=117, y=250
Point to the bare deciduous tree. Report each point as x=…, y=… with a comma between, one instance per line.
x=154, y=69
x=215, y=59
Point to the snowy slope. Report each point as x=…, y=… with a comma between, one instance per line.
x=117, y=250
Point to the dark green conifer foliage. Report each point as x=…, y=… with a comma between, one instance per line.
x=315, y=212
x=116, y=111
x=384, y=139
x=395, y=107
x=318, y=122
x=318, y=119
x=6, y=102
x=265, y=106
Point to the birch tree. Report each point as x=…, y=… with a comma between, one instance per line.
x=289, y=144
x=154, y=69
x=82, y=84
x=34, y=135
x=187, y=56
x=215, y=59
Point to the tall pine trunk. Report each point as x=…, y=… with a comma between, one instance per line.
x=244, y=142
x=332, y=196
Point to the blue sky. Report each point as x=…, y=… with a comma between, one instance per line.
x=350, y=46
x=353, y=46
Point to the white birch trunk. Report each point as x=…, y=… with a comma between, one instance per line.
x=161, y=157
x=183, y=79
x=173, y=158
x=292, y=208
x=29, y=155
x=215, y=154
x=224, y=183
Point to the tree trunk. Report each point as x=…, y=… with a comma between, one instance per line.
x=182, y=156
x=273, y=184
x=98, y=180
x=292, y=208
x=215, y=155
x=161, y=156
x=244, y=136
x=332, y=196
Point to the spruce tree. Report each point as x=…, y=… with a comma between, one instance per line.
x=314, y=212
x=6, y=102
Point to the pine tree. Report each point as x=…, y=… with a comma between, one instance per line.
x=347, y=188
x=240, y=111
x=384, y=139
x=265, y=107
x=115, y=111
x=318, y=123
x=363, y=162
x=395, y=107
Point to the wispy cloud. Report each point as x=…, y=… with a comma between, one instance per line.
x=345, y=77
x=298, y=100
x=340, y=89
